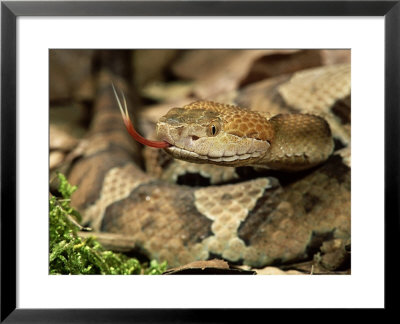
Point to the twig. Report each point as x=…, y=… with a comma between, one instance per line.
x=70, y=217
x=110, y=241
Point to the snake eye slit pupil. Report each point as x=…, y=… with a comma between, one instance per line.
x=213, y=128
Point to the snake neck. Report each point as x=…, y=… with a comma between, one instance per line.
x=301, y=141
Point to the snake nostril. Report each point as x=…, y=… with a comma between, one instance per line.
x=195, y=138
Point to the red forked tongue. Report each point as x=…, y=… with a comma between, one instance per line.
x=131, y=129
x=140, y=138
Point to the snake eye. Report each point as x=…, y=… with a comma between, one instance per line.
x=213, y=128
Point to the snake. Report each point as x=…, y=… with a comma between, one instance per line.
x=221, y=134
x=296, y=205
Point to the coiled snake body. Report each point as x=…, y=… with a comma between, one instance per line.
x=257, y=222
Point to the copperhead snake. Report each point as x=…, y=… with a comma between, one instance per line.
x=215, y=133
x=269, y=218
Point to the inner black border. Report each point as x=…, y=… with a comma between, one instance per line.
x=10, y=10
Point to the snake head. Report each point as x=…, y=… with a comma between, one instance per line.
x=201, y=134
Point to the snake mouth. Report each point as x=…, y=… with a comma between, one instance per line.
x=185, y=154
x=192, y=148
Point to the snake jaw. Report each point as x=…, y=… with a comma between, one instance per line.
x=191, y=145
x=129, y=126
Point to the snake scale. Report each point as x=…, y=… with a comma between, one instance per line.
x=270, y=217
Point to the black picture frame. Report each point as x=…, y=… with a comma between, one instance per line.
x=10, y=10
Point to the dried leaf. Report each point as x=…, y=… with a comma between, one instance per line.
x=71, y=74
x=214, y=266
x=60, y=139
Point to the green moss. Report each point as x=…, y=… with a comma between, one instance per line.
x=70, y=254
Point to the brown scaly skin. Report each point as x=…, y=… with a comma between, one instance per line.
x=210, y=132
x=255, y=222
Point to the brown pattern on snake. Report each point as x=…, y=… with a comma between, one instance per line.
x=163, y=221
x=283, y=226
x=256, y=222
